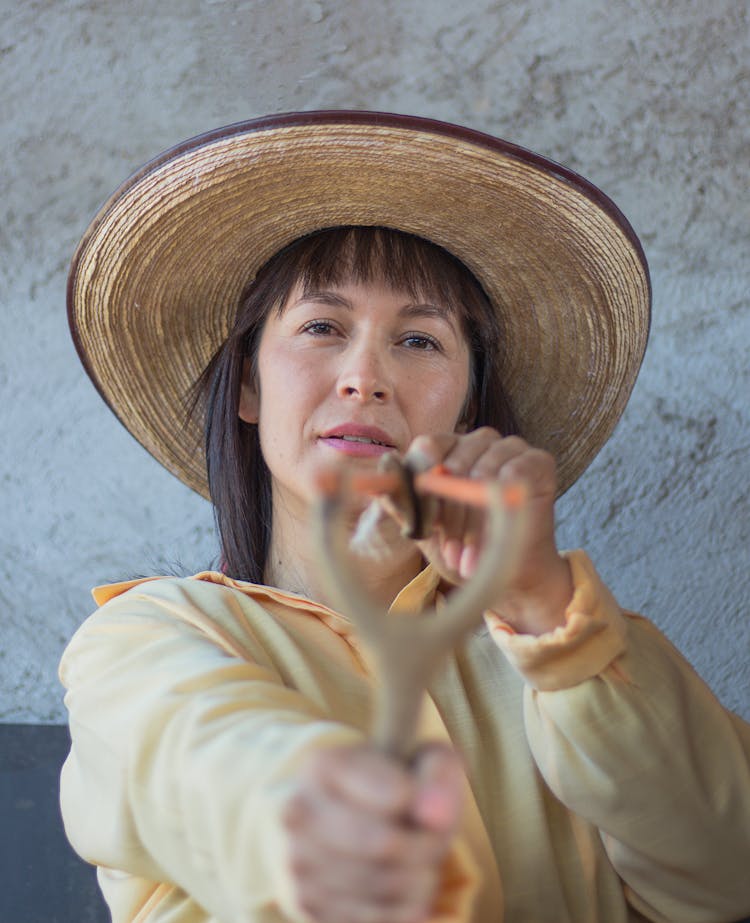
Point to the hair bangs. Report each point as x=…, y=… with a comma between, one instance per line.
x=379, y=255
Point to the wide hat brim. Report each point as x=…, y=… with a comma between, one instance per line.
x=156, y=279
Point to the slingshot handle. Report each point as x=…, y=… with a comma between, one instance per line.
x=406, y=650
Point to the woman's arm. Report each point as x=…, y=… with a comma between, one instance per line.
x=625, y=733
x=182, y=754
x=643, y=750
x=193, y=764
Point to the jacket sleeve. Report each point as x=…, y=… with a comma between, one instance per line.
x=630, y=738
x=184, y=740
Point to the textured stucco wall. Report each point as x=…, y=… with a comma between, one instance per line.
x=647, y=98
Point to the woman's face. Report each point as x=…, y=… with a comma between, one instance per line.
x=351, y=372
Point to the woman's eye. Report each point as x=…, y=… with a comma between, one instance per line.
x=420, y=341
x=320, y=328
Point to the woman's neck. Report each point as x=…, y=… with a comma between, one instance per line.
x=292, y=564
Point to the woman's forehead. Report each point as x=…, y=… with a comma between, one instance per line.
x=340, y=288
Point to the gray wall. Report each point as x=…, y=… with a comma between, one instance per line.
x=647, y=98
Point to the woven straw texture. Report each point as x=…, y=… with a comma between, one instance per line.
x=156, y=279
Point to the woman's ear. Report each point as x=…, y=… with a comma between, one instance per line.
x=249, y=409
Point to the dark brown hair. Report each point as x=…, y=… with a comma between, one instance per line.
x=238, y=478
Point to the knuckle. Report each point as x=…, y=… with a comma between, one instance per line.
x=420, y=886
x=391, y=886
x=541, y=456
x=515, y=444
x=486, y=432
x=422, y=442
x=432, y=849
x=384, y=845
x=425, y=450
x=300, y=868
x=535, y=463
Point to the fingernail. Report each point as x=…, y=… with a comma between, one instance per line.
x=418, y=459
x=435, y=808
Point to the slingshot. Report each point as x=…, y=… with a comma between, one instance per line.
x=406, y=649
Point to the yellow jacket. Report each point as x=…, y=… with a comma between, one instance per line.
x=606, y=781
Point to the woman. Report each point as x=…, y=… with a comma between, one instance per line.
x=220, y=768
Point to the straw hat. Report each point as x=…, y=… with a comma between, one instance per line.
x=156, y=278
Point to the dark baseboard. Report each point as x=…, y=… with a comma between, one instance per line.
x=41, y=879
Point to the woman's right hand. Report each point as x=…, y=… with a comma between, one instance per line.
x=368, y=836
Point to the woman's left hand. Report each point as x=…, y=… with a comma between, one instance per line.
x=537, y=599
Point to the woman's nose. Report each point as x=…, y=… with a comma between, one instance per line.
x=363, y=374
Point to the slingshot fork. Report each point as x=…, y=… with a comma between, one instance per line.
x=407, y=649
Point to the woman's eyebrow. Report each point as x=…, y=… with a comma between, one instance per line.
x=407, y=311
x=325, y=297
x=427, y=309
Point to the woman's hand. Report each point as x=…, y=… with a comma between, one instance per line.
x=368, y=837
x=539, y=595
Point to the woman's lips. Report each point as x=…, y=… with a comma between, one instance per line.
x=358, y=441
x=356, y=448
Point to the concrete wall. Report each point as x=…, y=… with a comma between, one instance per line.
x=647, y=98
